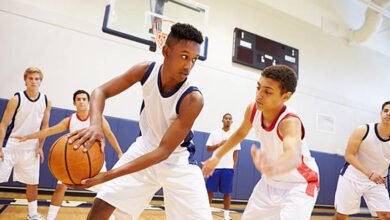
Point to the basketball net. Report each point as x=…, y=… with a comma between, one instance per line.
x=161, y=28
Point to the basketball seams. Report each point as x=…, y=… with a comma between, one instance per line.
x=51, y=152
x=66, y=161
x=89, y=165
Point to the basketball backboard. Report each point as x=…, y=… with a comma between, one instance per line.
x=147, y=21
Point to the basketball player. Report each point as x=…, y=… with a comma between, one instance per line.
x=27, y=111
x=368, y=152
x=73, y=122
x=222, y=178
x=289, y=184
x=163, y=155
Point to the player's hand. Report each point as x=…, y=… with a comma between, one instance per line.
x=20, y=138
x=120, y=155
x=87, y=183
x=39, y=153
x=209, y=166
x=377, y=179
x=1, y=155
x=262, y=163
x=87, y=136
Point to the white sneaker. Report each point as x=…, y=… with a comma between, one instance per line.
x=35, y=217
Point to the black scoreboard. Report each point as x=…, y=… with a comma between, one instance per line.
x=259, y=52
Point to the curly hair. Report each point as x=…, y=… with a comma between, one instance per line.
x=180, y=31
x=284, y=75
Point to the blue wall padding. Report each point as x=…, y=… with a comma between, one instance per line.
x=246, y=176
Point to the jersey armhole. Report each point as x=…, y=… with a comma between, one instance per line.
x=365, y=135
x=19, y=101
x=46, y=101
x=253, y=113
x=291, y=115
x=69, y=119
x=147, y=73
x=185, y=93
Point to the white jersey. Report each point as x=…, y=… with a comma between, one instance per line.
x=216, y=137
x=158, y=112
x=75, y=123
x=374, y=153
x=272, y=144
x=27, y=119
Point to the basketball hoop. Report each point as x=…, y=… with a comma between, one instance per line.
x=161, y=29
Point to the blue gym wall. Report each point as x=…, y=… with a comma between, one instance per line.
x=246, y=175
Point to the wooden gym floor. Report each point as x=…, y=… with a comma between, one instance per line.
x=14, y=206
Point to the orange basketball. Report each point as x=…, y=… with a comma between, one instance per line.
x=70, y=166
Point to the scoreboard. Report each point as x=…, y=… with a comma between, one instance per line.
x=259, y=52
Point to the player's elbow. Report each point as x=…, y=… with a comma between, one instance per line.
x=348, y=157
x=162, y=155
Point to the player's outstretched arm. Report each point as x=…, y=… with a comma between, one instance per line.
x=350, y=154
x=212, y=148
x=88, y=136
x=56, y=129
x=189, y=110
x=45, y=124
x=111, y=137
x=237, y=136
x=6, y=120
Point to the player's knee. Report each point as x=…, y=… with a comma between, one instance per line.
x=61, y=187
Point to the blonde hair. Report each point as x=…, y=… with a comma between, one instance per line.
x=32, y=70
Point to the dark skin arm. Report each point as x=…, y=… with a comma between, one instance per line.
x=87, y=136
x=189, y=110
x=212, y=148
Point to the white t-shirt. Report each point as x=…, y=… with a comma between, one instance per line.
x=216, y=137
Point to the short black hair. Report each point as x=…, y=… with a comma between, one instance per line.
x=180, y=31
x=226, y=115
x=384, y=104
x=284, y=75
x=80, y=91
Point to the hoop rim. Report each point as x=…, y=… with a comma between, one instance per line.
x=159, y=36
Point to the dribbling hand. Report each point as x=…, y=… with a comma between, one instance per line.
x=262, y=163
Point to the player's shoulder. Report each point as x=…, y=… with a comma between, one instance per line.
x=192, y=97
x=361, y=130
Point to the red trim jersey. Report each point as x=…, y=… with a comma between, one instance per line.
x=272, y=145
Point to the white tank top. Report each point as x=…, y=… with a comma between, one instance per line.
x=158, y=112
x=26, y=120
x=374, y=153
x=272, y=144
x=75, y=123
